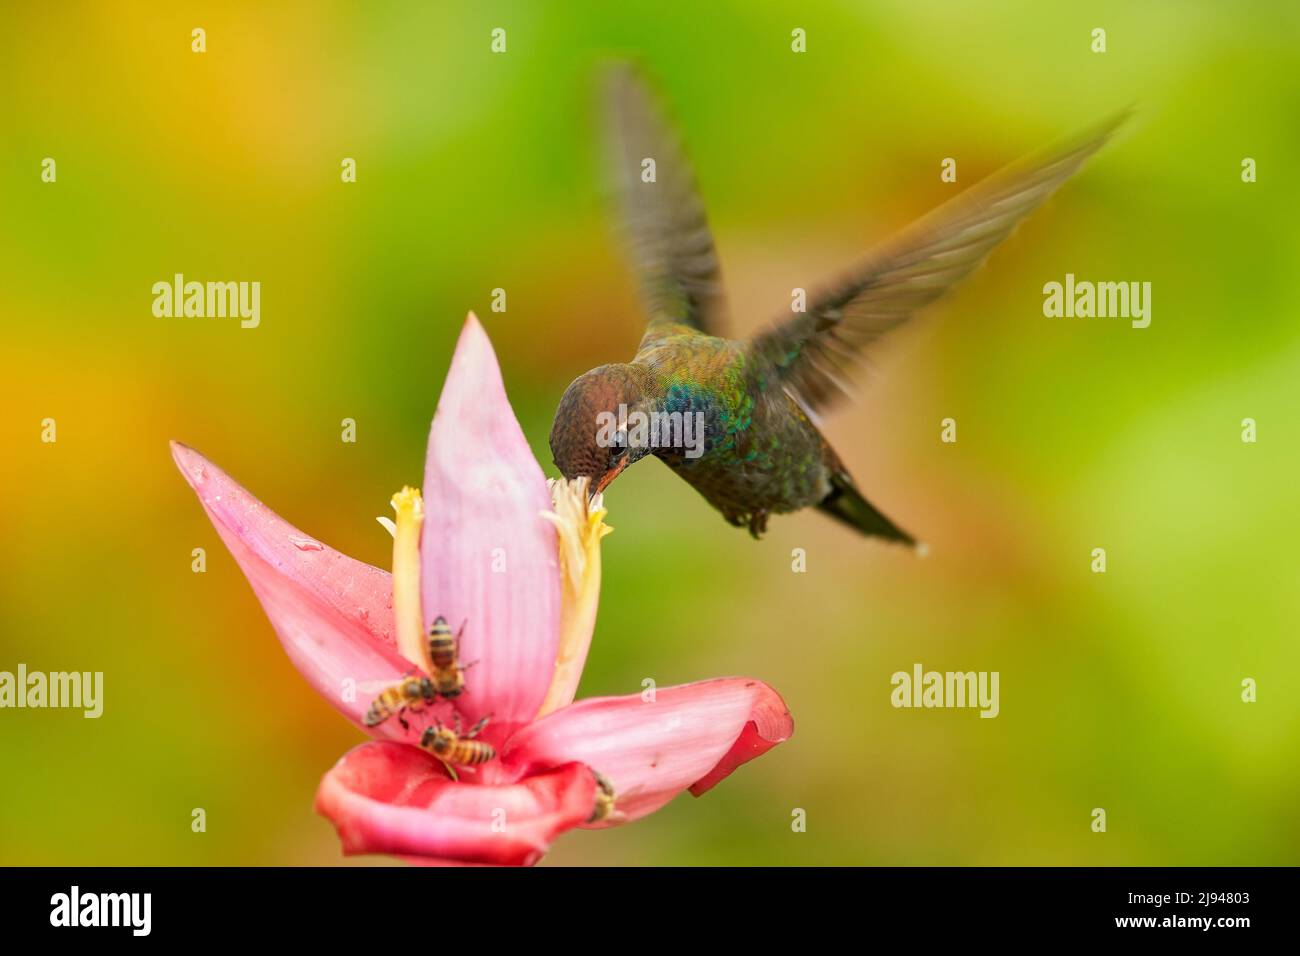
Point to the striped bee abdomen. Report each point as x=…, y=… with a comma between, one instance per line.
x=446, y=674
x=456, y=749
x=442, y=644
x=408, y=694
x=467, y=753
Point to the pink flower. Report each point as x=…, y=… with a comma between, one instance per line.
x=520, y=566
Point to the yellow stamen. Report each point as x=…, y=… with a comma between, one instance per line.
x=581, y=524
x=408, y=620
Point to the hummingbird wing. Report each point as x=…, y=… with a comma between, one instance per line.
x=662, y=215
x=814, y=352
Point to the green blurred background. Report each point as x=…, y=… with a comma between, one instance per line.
x=478, y=171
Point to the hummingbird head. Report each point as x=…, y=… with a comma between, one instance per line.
x=590, y=433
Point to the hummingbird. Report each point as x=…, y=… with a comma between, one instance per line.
x=760, y=451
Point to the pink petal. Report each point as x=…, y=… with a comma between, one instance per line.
x=690, y=736
x=333, y=614
x=394, y=799
x=488, y=560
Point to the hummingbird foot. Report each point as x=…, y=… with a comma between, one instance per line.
x=758, y=523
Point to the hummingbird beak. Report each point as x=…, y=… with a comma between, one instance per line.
x=603, y=482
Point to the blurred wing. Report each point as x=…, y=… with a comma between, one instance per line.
x=664, y=221
x=814, y=352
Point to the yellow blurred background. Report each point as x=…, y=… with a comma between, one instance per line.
x=478, y=171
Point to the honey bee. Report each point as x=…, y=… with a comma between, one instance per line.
x=604, y=799
x=447, y=671
x=446, y=679
x=410, y=693
x=456, y=749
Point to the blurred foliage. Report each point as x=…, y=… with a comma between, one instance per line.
x=478, y=171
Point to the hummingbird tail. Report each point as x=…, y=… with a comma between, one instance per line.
x=845, y=503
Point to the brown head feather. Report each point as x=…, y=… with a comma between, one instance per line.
x=574, y=434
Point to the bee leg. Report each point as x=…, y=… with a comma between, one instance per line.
x=451, y=772
x=401, y=719
x=474, y=731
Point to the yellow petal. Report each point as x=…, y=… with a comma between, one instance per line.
x=581, y=524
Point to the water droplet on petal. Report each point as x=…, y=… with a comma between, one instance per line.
x=306, y=544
